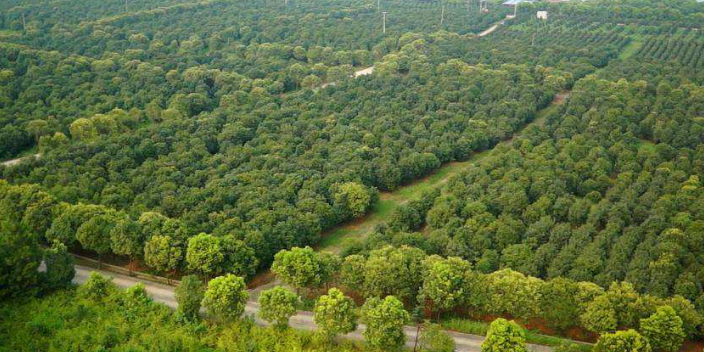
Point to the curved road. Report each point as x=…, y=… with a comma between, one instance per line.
x=303, y=320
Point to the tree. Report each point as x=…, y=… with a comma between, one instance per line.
x=434, y=339
x=226, y=297
x=126, y=239
x=299, y=267
x=444, y=282
x=189, y=295
x=59, y=267
x=37, y=128
x=239, y=258
x=385, y=319
x=404, y=264
x=663, y=330
x=20, y=257
x=204, y=255
x=162, y=254
x=352, y=272
x=353, y=198
x=504, y=336
x=600, y=315
x=97, y=287
x=83, y=130
x=335, y=314
x=622, y=341
x=95, y=233
x=277, y=305
x=559, y=303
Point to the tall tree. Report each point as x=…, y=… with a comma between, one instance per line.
x=504, y=336
x=277, y=305
x=299, y=267
x=385, y=319
x=663, y=330
x=335, y=314
x=189, y=295
x=226, y=297
x=204, y=255
x=622, y=341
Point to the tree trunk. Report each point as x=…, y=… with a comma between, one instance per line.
x=100, y=261
x=415, y=344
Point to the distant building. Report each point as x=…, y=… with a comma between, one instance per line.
x=542, y=15
x=512, y=3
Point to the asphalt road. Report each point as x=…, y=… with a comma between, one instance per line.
x=303, y=320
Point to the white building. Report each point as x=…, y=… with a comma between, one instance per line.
x=543, y=15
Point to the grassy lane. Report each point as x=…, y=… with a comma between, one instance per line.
x=334, y=240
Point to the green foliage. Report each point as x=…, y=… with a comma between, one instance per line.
x=335, y=314
x=353, y=198
x=600, y=316
x=663, y=330
x=277, y=305
x=385, y=319
x=189, y=295
x=59, y=267
x=299, y=267
x=622, y=341
x=204, y=255
x=444, y=282
x=20, y=257
x=96, y=288
x=162, y=253
x=504, y=336
x=225, y=298
x=433, y=339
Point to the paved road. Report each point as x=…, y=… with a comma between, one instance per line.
x=303, y=320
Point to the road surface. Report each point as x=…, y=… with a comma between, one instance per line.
x=303, y=320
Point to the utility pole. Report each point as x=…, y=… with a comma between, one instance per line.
x=442, y=15
x=515, y=10
x=384, y=21
x=378, y=5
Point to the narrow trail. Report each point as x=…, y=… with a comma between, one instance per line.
x=334, y=240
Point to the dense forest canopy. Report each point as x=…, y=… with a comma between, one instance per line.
x=206, y=137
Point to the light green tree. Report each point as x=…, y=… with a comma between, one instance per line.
x=335, y=314
x=622, y=341
x=504, y=336
x=126, y=239
x=162, y=254
x=434, y=339
x=444, y=282
x=189, y=295
x=225, y=297
x=83, y=130
x=600, y=315
x=385, y=319
x=298, y=267
x=204, y=255
x=94, y=234
x=353, y=197
x=277, y=305
x=663, y=329
x=97, y=287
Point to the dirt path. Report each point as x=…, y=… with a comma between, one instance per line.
x=18, y=160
